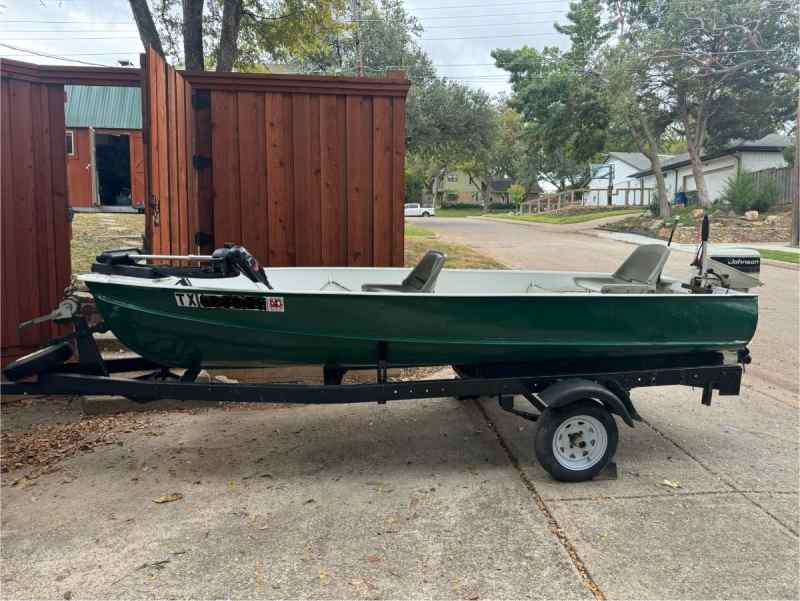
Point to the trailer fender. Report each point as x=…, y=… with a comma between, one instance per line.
x=569, y=391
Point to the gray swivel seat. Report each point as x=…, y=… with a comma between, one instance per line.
x=639, y=274
x=421, y=279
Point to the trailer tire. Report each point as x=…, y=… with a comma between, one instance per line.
x=40, y=361
x=575, y=442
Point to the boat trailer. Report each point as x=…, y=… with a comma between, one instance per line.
x=575, y=400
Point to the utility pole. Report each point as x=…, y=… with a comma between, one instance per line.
x=356, y=10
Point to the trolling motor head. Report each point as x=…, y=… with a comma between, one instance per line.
x=724, y=268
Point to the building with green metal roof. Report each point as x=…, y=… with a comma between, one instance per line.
x=105, y=159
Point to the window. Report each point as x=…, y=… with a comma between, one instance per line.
x=70, y=143
x=452, y=177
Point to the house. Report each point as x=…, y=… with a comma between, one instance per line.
x=105, y=158
x=459, y=187
x=755, y=155
x=618, y=171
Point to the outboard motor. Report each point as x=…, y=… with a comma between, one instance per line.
x=736, y=268
x=237, y=258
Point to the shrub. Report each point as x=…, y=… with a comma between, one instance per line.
x=744, y=192
x=461, y=205
x=499, y=206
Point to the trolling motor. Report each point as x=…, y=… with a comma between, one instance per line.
x=723, y=268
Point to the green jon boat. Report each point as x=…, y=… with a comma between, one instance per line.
x=232, y=313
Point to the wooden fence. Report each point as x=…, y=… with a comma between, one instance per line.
x=587, y=197
x=785, y=178
x=33, y=201
x=301, y=170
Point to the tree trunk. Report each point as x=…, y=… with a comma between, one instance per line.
x=146, y=26
x=663, y=201
x=193, y=35
x=648, y=145
x=229, y=36
x=699, y=175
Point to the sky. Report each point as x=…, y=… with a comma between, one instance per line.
x=458, y=34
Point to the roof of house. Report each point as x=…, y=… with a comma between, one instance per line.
x=103, y=106
x=637, y=160
x=769, y=143
x=500, y=184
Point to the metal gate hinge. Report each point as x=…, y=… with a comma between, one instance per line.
x=201, y=162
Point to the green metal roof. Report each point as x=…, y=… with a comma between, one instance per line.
x=103, y=106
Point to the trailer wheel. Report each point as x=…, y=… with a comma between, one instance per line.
x=574, y=443
x=44, y=360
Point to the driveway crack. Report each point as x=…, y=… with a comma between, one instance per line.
x=555, y=527
x=723, y=479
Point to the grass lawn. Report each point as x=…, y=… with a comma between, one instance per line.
x=571, y=217
x=92, y=233
x=779, y=255
x=413, y=230
x=420, y=240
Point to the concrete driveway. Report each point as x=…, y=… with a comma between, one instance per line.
x=426, y=499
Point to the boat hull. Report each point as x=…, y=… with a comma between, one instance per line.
x=346, y=329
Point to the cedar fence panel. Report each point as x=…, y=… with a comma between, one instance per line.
x=301, y=170
x=33, y=207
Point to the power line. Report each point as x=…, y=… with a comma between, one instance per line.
x=47, y=55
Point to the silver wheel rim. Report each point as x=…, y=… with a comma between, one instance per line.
x=580, y=442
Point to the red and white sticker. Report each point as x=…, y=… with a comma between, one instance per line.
x=275, y=304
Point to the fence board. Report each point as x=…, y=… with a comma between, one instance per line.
x=398, y=181
x=301, y=161
x=359, y=181
x=382, y=182
x=280, y=190
x=225, y=168
x=62, y=228
x=253, y=173
x=10, y=310
x=333, y=179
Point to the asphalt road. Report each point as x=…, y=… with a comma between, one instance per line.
x=427, y=499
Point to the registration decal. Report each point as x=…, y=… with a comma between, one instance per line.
x=238, y=302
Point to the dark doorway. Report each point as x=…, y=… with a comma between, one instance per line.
x=113, y=161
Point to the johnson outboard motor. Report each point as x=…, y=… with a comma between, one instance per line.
x=736, y=269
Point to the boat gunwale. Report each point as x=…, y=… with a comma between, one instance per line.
x=158, y=283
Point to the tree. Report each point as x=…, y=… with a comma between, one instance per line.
x=235, y=33
x=635, y=103
x=728, y=69
x=560, y=96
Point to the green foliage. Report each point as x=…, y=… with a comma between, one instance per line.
x=789, y=154
x=415, y=186
x=564, y=109
x=270, y=30
x=517, y=193
x=461, y=205
x=498, y=206
x=745, y=192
